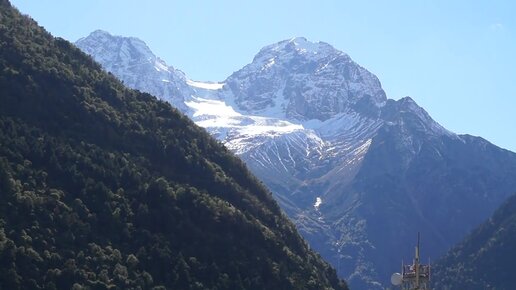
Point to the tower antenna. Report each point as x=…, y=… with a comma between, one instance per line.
x=415, y=276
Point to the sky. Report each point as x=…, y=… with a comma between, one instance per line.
x=456, y=59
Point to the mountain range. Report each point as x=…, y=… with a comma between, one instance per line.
x=105, y=187
x=359, y=173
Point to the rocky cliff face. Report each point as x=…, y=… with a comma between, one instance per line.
x=358, y=173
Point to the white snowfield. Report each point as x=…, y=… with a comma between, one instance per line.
x=207, y=86
x=242, y=132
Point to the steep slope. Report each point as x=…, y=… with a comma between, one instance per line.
x=358, y=173
x=102, y=187
x=485, y=259
x=441, y=185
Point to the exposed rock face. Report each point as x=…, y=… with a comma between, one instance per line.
x=304, y=81
x=358, y=173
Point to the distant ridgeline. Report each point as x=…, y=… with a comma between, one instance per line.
x=485, y=259
x=102, y=187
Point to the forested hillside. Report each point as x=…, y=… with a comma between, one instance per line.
x=102, y=187
x=485, y=259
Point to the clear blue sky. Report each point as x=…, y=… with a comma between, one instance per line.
x=457, y=59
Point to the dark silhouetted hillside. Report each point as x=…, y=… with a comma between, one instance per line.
x=102, y=187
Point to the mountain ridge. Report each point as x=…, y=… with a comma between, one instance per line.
x=319, y=131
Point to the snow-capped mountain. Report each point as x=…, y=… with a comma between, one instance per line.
x=301, y=80
x=358, y=173
x=131, y=60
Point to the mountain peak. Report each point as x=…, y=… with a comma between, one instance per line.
x=297, y=46
x=100, y=32
x=299, y=39
x=305, y=80
x=103, y=40
x=301, y=44
x=97, y=35
x=134, y=62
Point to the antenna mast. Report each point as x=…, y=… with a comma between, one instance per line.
x=415, y=276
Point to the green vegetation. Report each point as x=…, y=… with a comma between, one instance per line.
x=102, y=187
x=485, y=259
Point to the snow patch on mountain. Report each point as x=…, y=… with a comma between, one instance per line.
x=215, y=113
x=205, y=85
x=317, y=203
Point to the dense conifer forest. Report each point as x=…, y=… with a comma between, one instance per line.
x=102, y=187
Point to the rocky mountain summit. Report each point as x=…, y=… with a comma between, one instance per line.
x=357, y=172
x=304, y=81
